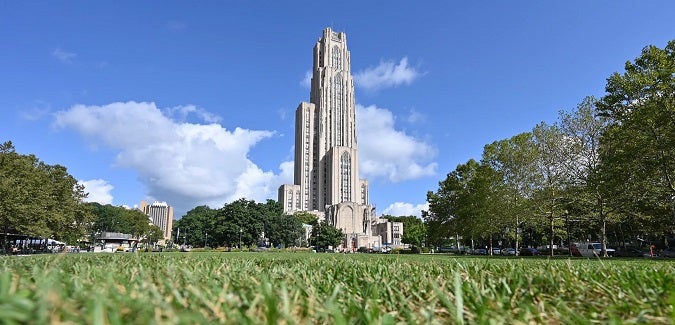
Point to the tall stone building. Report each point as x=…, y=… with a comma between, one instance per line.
x=161, y=215
x=326, y=166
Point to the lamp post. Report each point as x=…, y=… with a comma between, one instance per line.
x=206, y=240
x=240, y=231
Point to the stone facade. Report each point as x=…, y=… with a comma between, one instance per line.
x=326, y=165
x=161, y=215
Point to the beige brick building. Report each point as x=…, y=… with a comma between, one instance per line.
x=161, y=215
x=326, y=165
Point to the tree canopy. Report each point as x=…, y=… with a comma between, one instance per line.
x=607, y=163
x=40, y=200
x=242, y=222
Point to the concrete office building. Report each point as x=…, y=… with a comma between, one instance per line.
x=326, y=165
x=161, y=215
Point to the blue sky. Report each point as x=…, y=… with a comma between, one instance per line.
x=193, y=102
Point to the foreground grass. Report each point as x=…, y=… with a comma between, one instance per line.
x=272, y=288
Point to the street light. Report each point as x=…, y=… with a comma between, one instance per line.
x=206, y=240
x=240, y=231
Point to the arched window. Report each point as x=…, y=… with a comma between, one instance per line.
x=336, y=60
x=345, y=177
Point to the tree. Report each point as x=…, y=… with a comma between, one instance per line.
x=552, y=176
x=468, y=202
x=445, y=219
x=413, y=229
x=325, y=235
x=638, y=147
x=194, y=225
x=153, y=234
x=514, y=159
x=284, y=230
x=582, y=129
x=39, y=200
x=306, y=217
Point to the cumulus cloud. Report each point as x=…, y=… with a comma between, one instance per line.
x=415, y=117
x=405, y=209
x=182, y=113
x=287, y=170
x=306, y=82
x=387, y=74
x=98, y=190
x=185, y=164
x=64, y=56
x=388, y=153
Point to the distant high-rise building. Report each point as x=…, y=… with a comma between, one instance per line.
x=326, y=169
x=161, y=215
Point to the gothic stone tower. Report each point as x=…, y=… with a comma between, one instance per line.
x=326, y=156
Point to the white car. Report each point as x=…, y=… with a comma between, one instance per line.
x=592, y=249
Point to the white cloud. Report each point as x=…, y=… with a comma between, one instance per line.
x=182, y=163
x=405, y=209
x=386, y=152
x=182, y=113
x=39, y=110
x=387, y=74
x=415, y=117
x=306, y=82
x=64, y=56
x=99, y=191
x=287, y=171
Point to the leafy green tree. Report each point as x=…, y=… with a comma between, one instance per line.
x=638, y=147
x=194, y=225
x=551, y=178
x=514, y=159
x=39, y=200
x=306, y=217
x=414, y=230
x=325, y=235
x=467, y=203
x=152, y=234
x=285, y=230
x=444, y=219
x=583, y=129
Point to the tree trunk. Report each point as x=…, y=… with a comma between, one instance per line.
x=552, y=233
x=517, y=228
x=490, y=253
x=4, y=241
x=603, y=229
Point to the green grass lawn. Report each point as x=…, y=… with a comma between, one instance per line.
x=305, y=288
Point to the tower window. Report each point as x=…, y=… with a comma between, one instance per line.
x=345, y=177
x=336, y=58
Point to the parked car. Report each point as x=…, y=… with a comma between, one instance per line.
x=496, y=251
x=528, y=251
x=631, y=252
x=668, y=252
x=508, y=251
x=480, y=251
x=591, y=249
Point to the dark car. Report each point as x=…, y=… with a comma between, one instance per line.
x=527, y=251
x=668, y=252
x=631, y=252
x=480, y=251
